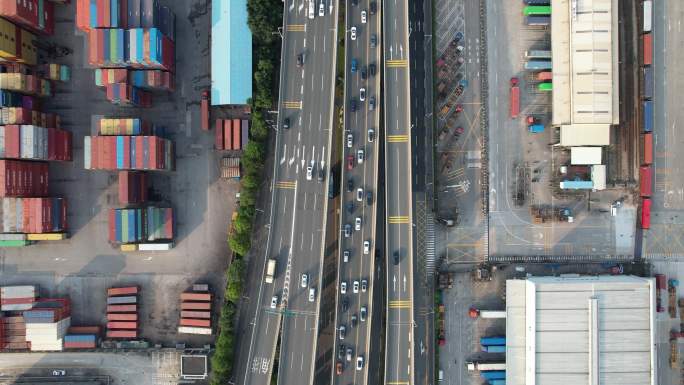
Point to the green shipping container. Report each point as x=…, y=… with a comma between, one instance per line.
x=124, y=226
x=537, y=10
x=545, y=87
x=14, y=243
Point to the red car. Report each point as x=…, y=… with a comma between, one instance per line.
x=338, y=368
x=350, y=162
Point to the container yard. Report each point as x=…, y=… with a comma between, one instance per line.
x=128, y=153
x=231, y=134
x=122, y=321
x=196, y=311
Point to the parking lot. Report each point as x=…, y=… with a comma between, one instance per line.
x=85, y=265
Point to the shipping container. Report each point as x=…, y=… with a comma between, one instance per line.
x=122, y=317
x=125, y=95
x=196, y=314
x=485, y=341
x=104, y=76
x=661, y=282
x=536, y=10
x=164, y=246
x=245, y=133
x=148, y=48
x=195, y=305
x=537, y=2
x=23, y=178
x=545, y=87
x=123, y=126
x=128, y=153
x=647, y=42
x=121, y=325
x=647, y=148
x=648, y=6
x=227, y=134
x=538, y=54
x=191, y=296
x=645, y=181
x=539, y=21
x=514, y=98
x=132, y=187
x=122, y=333
x=35, y=143
x=122, y=308
x=16, y=44
x=84, y=330
x=159, y=223
x=545, y=76
x=193, y=330
x=153, y=80
x=646, y=213
x=236, y=134
x=54, y=71
x=218, y=134
x=204, y=110
x=122, y=300
x=33, y=215
x=204, y=323
x=538, y=65
x=25, y=84
x=648, y=82
x=494, y=348
x=493, y=374
x=648, y=116
x=128, y=290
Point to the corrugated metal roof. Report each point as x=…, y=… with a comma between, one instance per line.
x=585, y=76
x=598, y=176
x=585, y=155
x=550, y=331
x=231, y=53
x=585, y=135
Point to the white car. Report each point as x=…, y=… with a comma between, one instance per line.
x=357, y=224
x=274, y=302
x=321, y=10
x=305, y=280
x=312, y=294
x=355, y=287
x=311, y=9
x=59, y=372
x=366, y=247
x=350, y=140
x=359, y=363
x=359, y=194
x=363, y=16
x=343, y=287
x=359, y=156
x=364, y=285
x=346, y=256
x=362, y=94
x=353, y=33
x=309, y=172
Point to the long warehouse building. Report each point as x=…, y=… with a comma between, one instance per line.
x=582, y=330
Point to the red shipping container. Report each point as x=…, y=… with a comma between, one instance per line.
x=139, y=152
x=122, y=308
x=24, y=13
x=154, y=160
x=645, y=181
x=128, y=290
x=12, y=144
x=84, y=330
x=168, y=221
x=219, y=134
x=122, y=317
x=112, y=227
x=646, y=214
x=23, y=178
x=236, y=134
x=195, y=322
x=83, y=15
x=196, y=306
x=196, y=297
x=648, y=148
x=122, y=333
x=227, y=134
x=79, y=345
x=15, y=301
x=647, y=41
x=122, y=325
x=196, y=314
x=661, y=282
x=17, y=319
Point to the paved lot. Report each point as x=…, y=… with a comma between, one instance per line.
x=86, y=264
x=665, y=324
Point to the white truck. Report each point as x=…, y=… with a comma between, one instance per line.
x=270, y=271
x=484, y=366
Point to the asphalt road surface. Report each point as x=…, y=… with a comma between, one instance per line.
x=398, y=353
x=300, y=196
x=359, y=178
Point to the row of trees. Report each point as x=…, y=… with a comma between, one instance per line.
x=264, y=17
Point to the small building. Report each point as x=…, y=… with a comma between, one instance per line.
x=231, y=53
x=595, y=330
x=585, y=155
x=194, y=367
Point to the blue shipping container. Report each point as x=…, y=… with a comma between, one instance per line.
x=648, y=82
x=80, y=338
x=493, y=375
x=485, y=341
x=134, y=14
x=496, y=382
x=494, y=348
x=120, y=152
x=538, y=65
x=536, y=128
x=538, y=20
x=648, y=116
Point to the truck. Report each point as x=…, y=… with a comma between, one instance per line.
x=538, y=54
x=648, y=7
x=204, y=107
x=534, y=20
x=537, y=10
x=515, y=98
x=545, y=87
x=486, y=341
x=535, y=128
x=645, y=177
x=538, y=65
x=493, y=375
x=646, y=213
x=270, y=270
x=494, y=349
x=485, y=366
x=545, y=76
x=548, y=213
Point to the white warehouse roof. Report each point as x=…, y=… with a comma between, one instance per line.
x=585, y=62
x=585, y=135
x=589, y=330
x=585, y=155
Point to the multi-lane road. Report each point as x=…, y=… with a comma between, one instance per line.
x=357, y=243
x=299, y=198
x=399, y=354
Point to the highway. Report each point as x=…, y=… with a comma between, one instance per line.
x=299, y=198
x=359, y=181
x=399, y=355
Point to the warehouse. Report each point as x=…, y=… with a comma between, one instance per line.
x=231, y=53
x=580, y=330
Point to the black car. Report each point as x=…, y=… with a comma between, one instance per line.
x=350, y=207
x=396, y=257
x=369, y=198
x=373, y=41
x=350, y=185
x=321, y=174
x=364, y=74
x=371, y=68
x=300, y=60
x=286, y=123
x=345, y=305
x=352, y=105
x=373, y=7
x=340, y=353
x=355, y=2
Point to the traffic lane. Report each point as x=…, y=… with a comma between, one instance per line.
x=398, y=371
x=299, y=337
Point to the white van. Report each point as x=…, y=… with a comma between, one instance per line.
x=312, y=9
x=440, y=375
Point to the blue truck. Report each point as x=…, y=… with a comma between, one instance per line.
x=497, y=340
x=494, y=348
x=538, y=65
x=535, y=128
x=540, y=20
x=493, y=375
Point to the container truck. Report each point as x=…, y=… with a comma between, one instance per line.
x=645, y=182
x=646, y=213
x=204, y=107
x=538, y=65
x=541, y=21
x=483, y=366
x=270, y=271
x=515, y=98
x=538, y=54
x=494, y=349
x=648, y=82
x=494, y=375
x=486, y=341
x=535, y=128
x=537, y=10
x=648, y=116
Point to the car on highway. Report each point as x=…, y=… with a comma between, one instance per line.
x=343, y=287
x=364, y=73
x=373, y=7
x=300, y=60
x=357, y=224
x=286, y=123
x=363, y=16
x=312, y=294
x=321, y=174
x=354, y=321
x=371, y=135
x=366, y=247
x=362, y=313
x=309, y=171
x=373, y=40
x=350, y=181
x=371, y=103
x=321, y=10
x=359, y=156
x=369, y=198
x=350, y=207
x=359, y=194
x=345, y=305
x=311, y=9
x=371, y=69
x=305, y=280
x=274, y=302
x=350, y=162
x=359, y=363
x=362, y=94
x=347, y=230
x=353, y=33
x=338, y=368
x=340, y=353
x=343, y=331
x=345, y=255
x=396, y=257
x=355, y=287
x=62, y=372
x=350, y=140
x=350, y=353
x=364, y=285
x=354, y=65
x=352, y=105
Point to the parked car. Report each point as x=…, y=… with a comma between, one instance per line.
x=350, y=184
x=355, y=287
x=347, y=230
x=305, y=280
x=350, y=140
x=364, y=285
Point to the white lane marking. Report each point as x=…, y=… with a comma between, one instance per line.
x=304, y=42
x=284, y=154
x=312, y=242
x=325, y=39
x=394, y=283
x=313, y=153
x=301, y=89
x=404, y=282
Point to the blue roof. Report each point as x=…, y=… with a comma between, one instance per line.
x=231, y=53
x=577, y=184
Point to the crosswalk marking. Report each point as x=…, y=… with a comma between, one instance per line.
x=398, y=219
x=293, y=105
x=397, y=138
x=296, y=28
x=286, y=184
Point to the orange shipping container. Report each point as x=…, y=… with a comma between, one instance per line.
x=196, y=314
x=647, y=41
x=84, y=330
x=236, y=134
x=122, y=325
x=648, y=148
x=122, y=317
x=122, y=333
x=195, y=322
x=195, y=297
x=227, y=137
x=129, y=290
x=122, y=308
x=196, y=306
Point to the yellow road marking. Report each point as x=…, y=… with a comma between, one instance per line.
x=398, y=219
x=293, y=105
x=397, y=63
x=400, y=304
x=296, y=27
x=286, y=184
x=397, y=138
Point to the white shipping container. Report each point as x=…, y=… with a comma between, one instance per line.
x=648, y=6
x=17, y=306
x=86, y=153
x=155, y=246
x=193, y=330
x=23, y=291
x=492, y=313
x=2, y=141
x=56, y=345
x=12, y=237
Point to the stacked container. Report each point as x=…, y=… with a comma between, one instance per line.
x=159, y=223
x=122, y=312
x=80, y=341
x=17, y=298
x=104, y=76
x=132, y=187
x=140, y=225
x=16, y=43
x=128, y=153
x=196, y=311
x=34, y=15
x=245, y=133
x=126, y=95
x=27, y=115
x=107, y=47
x=148, y=48
x=13, y=333
x=57, y=72
x=123, y=126
x=33, y=215
x=152, y=79
x=231, y=134
x=124, y=14
x=35, y=143
x=23, y=179
x=47, y=336
x=25, y=84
